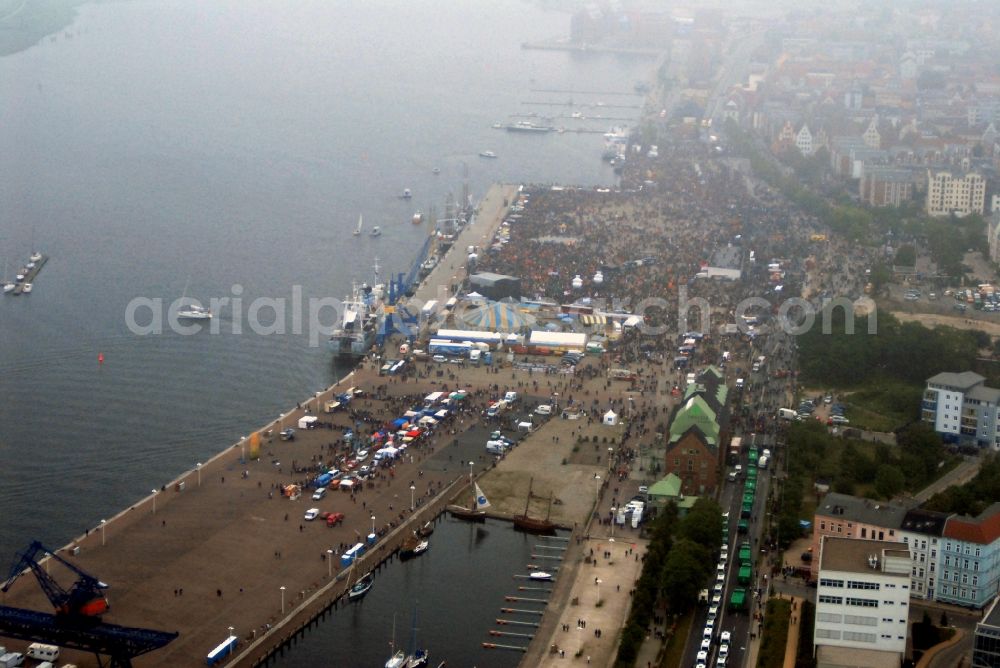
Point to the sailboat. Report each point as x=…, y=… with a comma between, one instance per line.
x=191, y=311
x=417, y=658
x=361, y=222
x=530, y=524
x=7, y=285
x=361, y=587
x=476, y=513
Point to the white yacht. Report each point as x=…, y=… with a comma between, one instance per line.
x=186, y=312
x=26, y=288
x=487, y=154
x=376, y=232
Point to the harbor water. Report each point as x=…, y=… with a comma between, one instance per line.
x=225, y=150
x=457, y=589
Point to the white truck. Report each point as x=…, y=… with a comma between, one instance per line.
x=786, y=414
x=762, y=462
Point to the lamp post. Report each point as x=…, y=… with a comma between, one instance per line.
x=614, y=518
x=373, y=523
x=598, y=581
x=198, y=466
x=329, y=563
x=103, y=524
x=154, y=501
x=412, y=500
x=243, y=449
x=231, y=629
x=611, y=453
x=282, y=599
x=471, y=464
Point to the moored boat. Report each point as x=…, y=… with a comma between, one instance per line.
x=476, y=513
x=361, y=587
x=487, y=154
x=528, y=126
x=541, y=576
x=376, y=232
x=529, y=524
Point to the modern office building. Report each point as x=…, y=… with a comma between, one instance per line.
x=862, y=603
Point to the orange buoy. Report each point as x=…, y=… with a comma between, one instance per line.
x=100, y=358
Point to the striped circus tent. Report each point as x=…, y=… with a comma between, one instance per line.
x=587, y=319
x=498, y=317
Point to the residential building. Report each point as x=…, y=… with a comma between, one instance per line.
x=845, y=516
x=842, y=515
x=884, y=186
x=986, y=644
x=804, y=141
x=862, y=602
x=921, y=531
x=970, y=559
x=993, y=231
x=871, y=136
x=962, y=408
x=952, y=193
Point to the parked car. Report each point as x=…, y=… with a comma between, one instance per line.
x=311, y=514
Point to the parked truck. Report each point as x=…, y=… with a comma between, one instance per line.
x=762, y=462
x=738, y=600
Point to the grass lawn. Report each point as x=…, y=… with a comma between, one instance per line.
x=775, y=634
x=673, y=653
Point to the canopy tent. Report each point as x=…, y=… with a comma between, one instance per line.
x=398, y=423
x=498, y=317
x=610, y=418
x=427, y=419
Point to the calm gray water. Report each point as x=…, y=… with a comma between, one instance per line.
x=162, y=143
x=457, y=589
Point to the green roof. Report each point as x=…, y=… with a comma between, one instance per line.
x=696, y=413
x=669, y=486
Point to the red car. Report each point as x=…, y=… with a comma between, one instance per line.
x=333, y=519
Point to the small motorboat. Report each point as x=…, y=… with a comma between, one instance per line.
x=437, y=170
x=35, y=257
x=376, y=232
x=189, y=312
x=498, y=126
x=27, y=288
x=487, y=154
x=541, y=576
x=417, y=218
x=406, y=194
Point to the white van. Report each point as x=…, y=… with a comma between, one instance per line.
x=544, y=409
x=43, y=652
x=12, y=660
x=786, y=414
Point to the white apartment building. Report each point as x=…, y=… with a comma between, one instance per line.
x=862, y=602
x=962, y=408
x=949, y=193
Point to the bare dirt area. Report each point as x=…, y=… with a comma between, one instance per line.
x=958, y=322
x=538, y=461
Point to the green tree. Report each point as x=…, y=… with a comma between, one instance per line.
x=684, y=573
x=889, y=481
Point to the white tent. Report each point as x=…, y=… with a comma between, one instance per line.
x=307, y=422
x=610, y=418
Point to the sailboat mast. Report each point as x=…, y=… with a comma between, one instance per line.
x=528, y=500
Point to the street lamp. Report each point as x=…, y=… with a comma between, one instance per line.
x=154, y=501
x=329, y=563
x=198, y=466
x=471, y=464
x=611, y=452
x=412, y=502
x=373, y=523
x=598, y=581
x=231, y=629
x=243, y=449
x=282, y=599
x=103, y=524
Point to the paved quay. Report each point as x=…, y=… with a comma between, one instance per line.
x=220, y=547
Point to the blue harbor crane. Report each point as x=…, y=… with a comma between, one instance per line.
x=76, y=623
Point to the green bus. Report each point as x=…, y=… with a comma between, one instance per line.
x=738, y=600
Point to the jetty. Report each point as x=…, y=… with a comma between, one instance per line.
x=30, y=276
